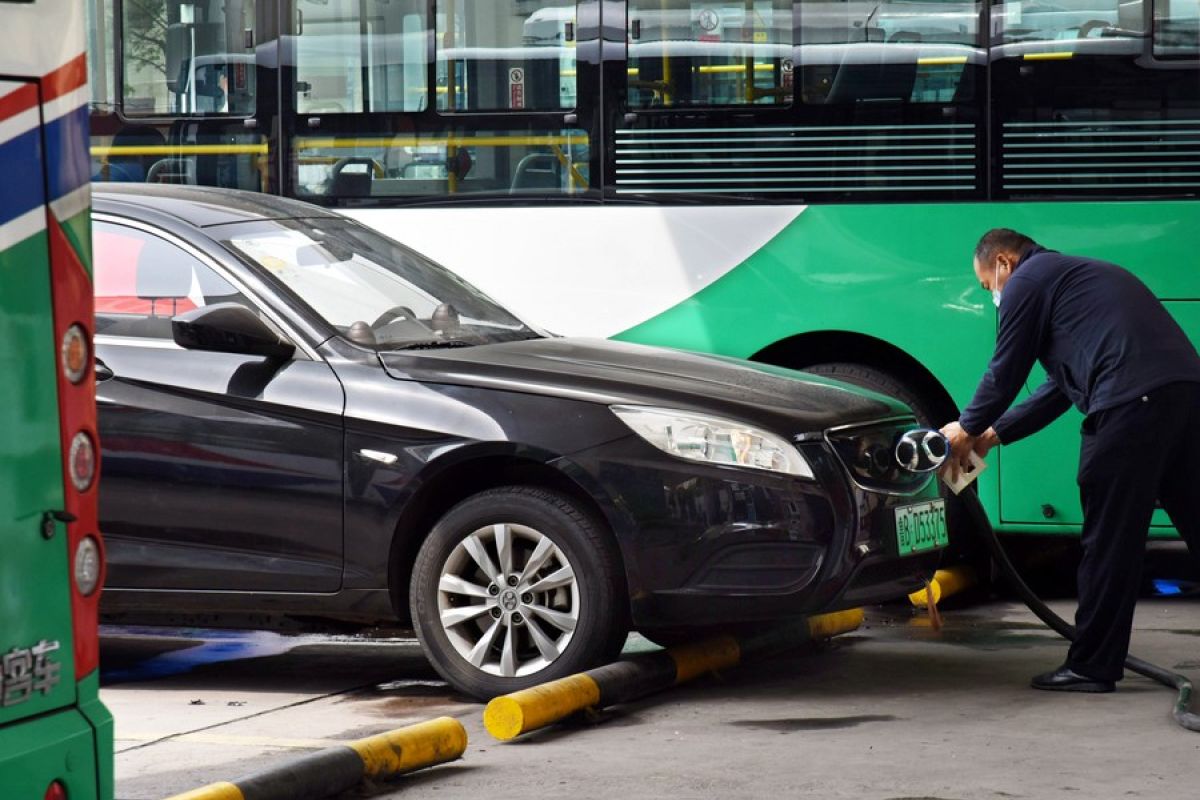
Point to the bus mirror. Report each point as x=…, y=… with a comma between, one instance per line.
x=228, y=328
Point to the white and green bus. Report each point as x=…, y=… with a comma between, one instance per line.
x=795, y=181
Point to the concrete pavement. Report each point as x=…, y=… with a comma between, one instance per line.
x=895, y=710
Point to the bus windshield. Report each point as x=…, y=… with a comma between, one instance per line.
x=373, y=290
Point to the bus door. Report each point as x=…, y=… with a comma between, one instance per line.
x=183, y=92
x=1099, y=100
x=395, y=101
x=802, y=100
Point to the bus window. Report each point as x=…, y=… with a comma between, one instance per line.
x=1022, y=21
x=462, y=161
x=187, y=58
x=901, y=52
x=354, y=56
x=1177, y=28
x=694, y=53
x=1082, y=105
x=500, y=55
x=101, y=50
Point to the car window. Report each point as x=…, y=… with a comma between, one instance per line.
x=142, y=280
x=371, y=289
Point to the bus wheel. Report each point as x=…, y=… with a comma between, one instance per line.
x=513, y=587
x=966, y=547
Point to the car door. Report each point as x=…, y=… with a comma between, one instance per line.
x=222, y=471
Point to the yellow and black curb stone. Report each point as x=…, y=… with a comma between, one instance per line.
x=511, y=715
x=336, y=769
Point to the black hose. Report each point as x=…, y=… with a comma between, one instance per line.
x=1181, y=712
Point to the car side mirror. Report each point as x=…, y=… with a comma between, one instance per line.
x=229, y=328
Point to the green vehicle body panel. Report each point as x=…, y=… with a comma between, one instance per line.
x=101, y=720
x=902, y=274
x=65, y=733
x=34, y=582
x=58, y=745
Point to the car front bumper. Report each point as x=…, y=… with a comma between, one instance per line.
x=707, y=545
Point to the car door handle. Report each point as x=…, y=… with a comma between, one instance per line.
x=103, y=372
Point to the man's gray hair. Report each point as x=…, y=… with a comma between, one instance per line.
x=1002, y=240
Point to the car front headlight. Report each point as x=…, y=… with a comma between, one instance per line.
x=714, y=440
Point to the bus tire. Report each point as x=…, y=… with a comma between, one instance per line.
x=524, y=625
x=966, y=548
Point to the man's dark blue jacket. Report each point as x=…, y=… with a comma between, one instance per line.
x=1101, y=334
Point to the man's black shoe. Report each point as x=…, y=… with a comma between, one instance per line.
x=1064, y=679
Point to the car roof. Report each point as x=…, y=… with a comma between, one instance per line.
x=200, y=206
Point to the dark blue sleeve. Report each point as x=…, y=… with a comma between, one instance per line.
x=1024, y=318
x=1043, y=407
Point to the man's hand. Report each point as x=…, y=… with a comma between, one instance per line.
x=985, y=442
x=961, y=445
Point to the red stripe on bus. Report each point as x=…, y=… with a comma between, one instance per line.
x=71, y=287
x=65, y=79
x=23, y=99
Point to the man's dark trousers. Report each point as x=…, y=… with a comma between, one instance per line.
x=1144, y=450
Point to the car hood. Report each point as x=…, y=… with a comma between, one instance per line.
x=603, y=371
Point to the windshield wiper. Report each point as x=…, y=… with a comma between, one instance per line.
x=430, y=344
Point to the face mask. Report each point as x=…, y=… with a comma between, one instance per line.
x=996, y=292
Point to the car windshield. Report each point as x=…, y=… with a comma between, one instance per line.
x=373, y=290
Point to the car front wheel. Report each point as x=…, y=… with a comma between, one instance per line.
x=513, y=587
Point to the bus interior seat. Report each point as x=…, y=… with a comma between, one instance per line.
x=537, y=171
x=133, y=167
x=351, y=183
x=1131, y=16
x=171, y=170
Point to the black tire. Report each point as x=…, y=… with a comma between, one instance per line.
x=965, y=548
x=595, y=598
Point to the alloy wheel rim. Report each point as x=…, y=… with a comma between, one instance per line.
x=508, y=600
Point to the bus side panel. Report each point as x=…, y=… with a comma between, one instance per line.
x=36, y=660
x=902, y=274
x=1053, y=456
x=101, y=720
x=58, y=746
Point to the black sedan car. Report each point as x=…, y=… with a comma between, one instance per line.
x=302, y=420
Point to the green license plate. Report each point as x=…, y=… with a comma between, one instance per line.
x=921, y=527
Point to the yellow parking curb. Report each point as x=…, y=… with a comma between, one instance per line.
x=511, y=715
x=945, y=583
x=342, y=767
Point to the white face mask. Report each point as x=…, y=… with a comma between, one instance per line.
x=996, y=291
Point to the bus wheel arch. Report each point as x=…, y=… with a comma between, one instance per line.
x=837, y=354
x=883, y=367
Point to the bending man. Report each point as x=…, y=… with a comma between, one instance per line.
x=1110, y=348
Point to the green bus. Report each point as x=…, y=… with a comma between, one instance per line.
x=795, y=181
x=56, y=737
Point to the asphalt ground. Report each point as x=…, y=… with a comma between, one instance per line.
x=896, y=710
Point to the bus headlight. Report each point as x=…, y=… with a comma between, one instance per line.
x=713, y=440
